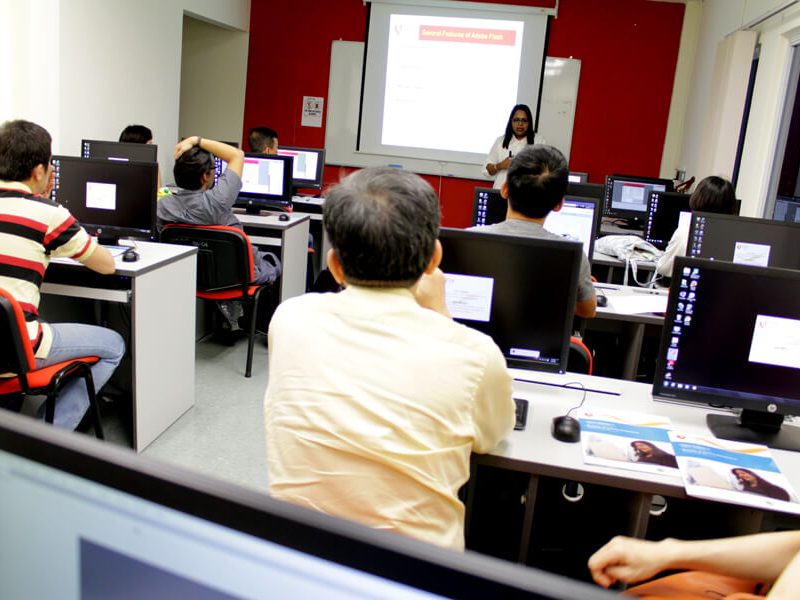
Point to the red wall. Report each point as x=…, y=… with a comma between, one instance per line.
x=628, y=51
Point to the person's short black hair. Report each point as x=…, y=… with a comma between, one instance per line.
x=261, y=138
x=23, y=146
x=537, y=180
x=382, y=224
x=136, y=134
x=715, y=195
x=191, y=166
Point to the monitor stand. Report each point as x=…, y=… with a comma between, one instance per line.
x=755, y=427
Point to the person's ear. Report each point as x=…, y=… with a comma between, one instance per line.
x=504, y=190
x=436, y=258
x=39, y=178
x=335, y=267
x=558, y=206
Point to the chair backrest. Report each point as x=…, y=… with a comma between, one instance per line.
x=224, y=254
x=16, y=352
x=580, y=357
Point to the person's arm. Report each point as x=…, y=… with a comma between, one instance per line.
x=101, y=261
x=760, y=557
x=586, y=304
x=587, y=308
x=233, y=156
x=788, y=583
x=495, y=158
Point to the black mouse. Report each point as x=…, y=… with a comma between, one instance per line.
x=130, y=255
x=283, y=217
x=566, y=429
x=602, y=300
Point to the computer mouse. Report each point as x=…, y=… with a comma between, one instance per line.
x=566, y=429
x=130, y=255
x=283, y=217
x=602, y=300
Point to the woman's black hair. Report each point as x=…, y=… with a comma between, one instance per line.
x=510, y=131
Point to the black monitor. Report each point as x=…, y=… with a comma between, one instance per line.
x=577, y=177
x=744, y=240
x=520, y=291
x=266, y=183
x=108, y=523
x=626, y=197
x=308, y=166
x=586, y=190
x=488, y=206
x=732, y=337
x=220, y=165
x=577, y=220
x=110, y=199
x=787, y=208
x=121, y=151
x=664, y=210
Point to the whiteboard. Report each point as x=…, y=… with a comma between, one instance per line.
x=556, y=117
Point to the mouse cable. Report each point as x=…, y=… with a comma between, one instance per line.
x=576, y=385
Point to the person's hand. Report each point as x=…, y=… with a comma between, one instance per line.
x=184, y=145
x=504, y=164
x=628, y=560
x=51, y=183
x=429, y=292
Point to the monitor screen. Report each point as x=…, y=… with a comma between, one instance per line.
x=520, y=291
x=122, y=151
x=488, y=206
x=266, y=183
x=577, y=220
x=787, y=208
x=732, y=337
x=745, y=240
x=586, y=190
x=109, y=523
x=663, y=213
x=220, y=165
x=577, y=177
x=110, y=199
x=626, y=197
x=308, y=166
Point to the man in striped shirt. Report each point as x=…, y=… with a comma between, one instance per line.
x=32, y=230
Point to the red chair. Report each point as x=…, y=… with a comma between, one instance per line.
x=17, y=359
x=224, y=269
x=579, y=359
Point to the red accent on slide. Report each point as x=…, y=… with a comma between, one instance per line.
x=467, y=35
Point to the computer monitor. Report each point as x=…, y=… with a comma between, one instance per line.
x=586, y=190
x=308, y=166
x=104, y=522
x=787, y=208
x=577, y=177
x=731, y=338
x=488, y=206
x=121, y=151
x=220, y=165
x=266, y=183
x=663, y=214
x=626, y=197
x=520, y=291
x=744, y=240
x=577, y=220
x=110, y=199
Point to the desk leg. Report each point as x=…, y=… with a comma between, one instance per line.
x=633, y=334
x=162, y=339
x=639, y=513
x=527, y=521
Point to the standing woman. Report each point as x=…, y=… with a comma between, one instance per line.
x=519, y=133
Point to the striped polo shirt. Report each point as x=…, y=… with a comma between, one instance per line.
x=32, y=230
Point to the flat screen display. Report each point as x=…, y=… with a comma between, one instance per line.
x=626, y=197
x=520, y=291
x=307, y=166
x=109, y=198
x=663, y=214
x=120, y=151
x=266, y=182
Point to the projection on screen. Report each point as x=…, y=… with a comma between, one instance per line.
x=426, y=85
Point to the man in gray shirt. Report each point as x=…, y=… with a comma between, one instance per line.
x=535, y=185
x=198, y=203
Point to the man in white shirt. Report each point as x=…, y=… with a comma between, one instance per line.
x=376, y=398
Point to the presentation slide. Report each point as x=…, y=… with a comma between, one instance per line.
x=431, y=67
x=101, y=195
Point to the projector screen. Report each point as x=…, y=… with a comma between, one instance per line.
x=441, y=77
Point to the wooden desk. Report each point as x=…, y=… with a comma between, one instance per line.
x=615, y=501
x=290, y=238
x=160, y=289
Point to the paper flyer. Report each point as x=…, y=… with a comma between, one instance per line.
x=627, y=440
x=733, y=472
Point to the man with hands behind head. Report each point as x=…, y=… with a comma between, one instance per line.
x=376, y=397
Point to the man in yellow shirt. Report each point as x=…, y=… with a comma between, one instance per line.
x=376, y=397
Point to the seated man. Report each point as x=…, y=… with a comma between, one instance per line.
x=263, y=140
x=765, y=557
x=376, y=398
x=32, y=230
x=535, y=185
x=198, y=203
